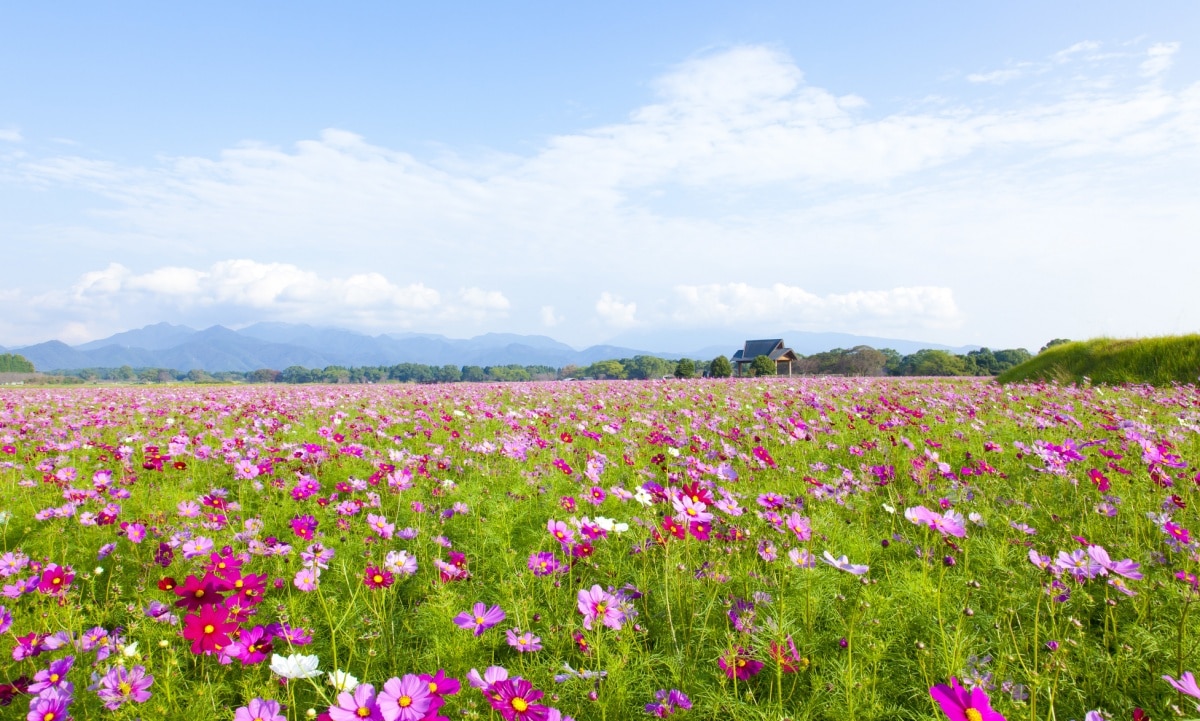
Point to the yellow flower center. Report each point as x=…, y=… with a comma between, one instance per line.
x=49, y=716
x=199, y=593
x=377, y=578
x=54, y=678
x=362, y=712
x=520, y=705
x=601, y=607
x=479, y=620
x=974, y=715
x=125, y=688
x=405, y=701
x=209, y=628
x=239, y=583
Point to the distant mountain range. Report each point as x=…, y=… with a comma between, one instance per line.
x=279, y=345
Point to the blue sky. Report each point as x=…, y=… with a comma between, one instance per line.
x=996, y=175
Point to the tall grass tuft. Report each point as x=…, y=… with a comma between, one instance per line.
x=1157, y=361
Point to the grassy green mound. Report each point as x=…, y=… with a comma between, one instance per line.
x=1158, y=361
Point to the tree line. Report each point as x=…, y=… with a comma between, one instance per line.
x=858, y=361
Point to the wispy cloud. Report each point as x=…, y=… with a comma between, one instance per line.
x=726, y=304
x=10, y=135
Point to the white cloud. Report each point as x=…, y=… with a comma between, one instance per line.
x=1159, y=58
x=727, y=304
x=615, y=312
x=999, y=77
x=549, y=317
x=365, y=301
x=10, y=135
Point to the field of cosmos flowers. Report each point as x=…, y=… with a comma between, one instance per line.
x=803, y=548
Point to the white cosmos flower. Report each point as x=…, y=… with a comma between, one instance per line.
x=342, y=681
x=609, y=524
x=642, y=496
x=295, y=666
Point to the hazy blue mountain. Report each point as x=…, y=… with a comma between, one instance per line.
x=159, y=336
x=279, y=345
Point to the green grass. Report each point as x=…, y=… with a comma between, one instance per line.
x=1158, y=361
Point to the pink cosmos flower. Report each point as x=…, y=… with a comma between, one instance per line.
x=359, y=706
x=306, y=579
x=1185, y=684
x=405, y=699
x=259, y=710
x=960, y=704
x=523, y=642
x=596, y=603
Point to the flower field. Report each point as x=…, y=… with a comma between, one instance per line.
x=804, y=548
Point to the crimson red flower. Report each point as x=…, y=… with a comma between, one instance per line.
x=195, y=592
x=209, y=629
x=376, y=577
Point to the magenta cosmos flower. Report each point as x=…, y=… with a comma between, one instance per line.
x=516, y=700
x=597, y=604
x=738, y=664
x=55, y=579
x=480, y=618
x=960, y=704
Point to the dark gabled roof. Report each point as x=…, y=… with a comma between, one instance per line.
x=755, y=348
x=771, y=347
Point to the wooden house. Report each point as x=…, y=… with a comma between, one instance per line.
x=772, y=348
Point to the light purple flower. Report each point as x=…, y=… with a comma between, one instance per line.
x=259, y=710
x=844, y=564
x=523, y=642
x=480, y=618
x=120, y=686
x=1185, y=684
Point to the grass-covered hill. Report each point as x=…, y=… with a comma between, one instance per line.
x=1158, y=361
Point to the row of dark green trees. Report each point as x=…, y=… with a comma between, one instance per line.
x=857, y=361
